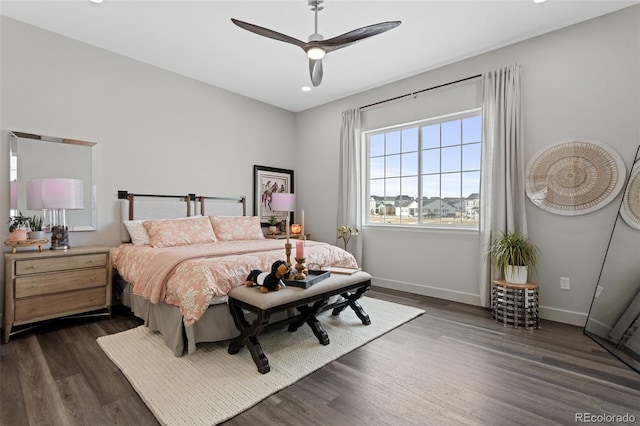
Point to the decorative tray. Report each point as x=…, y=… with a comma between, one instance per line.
x=25, y=243
x=313, y=277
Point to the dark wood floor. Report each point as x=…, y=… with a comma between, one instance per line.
x=452, y=365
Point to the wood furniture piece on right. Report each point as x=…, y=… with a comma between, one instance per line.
x=309, y=302
x=51, y=284
x=515, y=304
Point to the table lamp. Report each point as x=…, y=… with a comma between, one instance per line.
x=284, y=202
x=56, y=195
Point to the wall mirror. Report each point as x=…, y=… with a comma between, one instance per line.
x=614, y=317
x=35, y=157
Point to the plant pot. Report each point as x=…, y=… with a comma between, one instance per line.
x=18, y=235
x=37, y=235
x=515, y=274
x=273, y=229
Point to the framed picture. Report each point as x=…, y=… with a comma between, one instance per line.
x=266, y=181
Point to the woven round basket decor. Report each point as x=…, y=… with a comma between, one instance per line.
x=630, y=210
x=574, y=176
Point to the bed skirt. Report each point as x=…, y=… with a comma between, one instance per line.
x=215, y=325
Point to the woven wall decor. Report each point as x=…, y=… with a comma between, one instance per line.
x=574, y=176
x=630, y=210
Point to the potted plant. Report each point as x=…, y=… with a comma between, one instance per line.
x=513, y=255
x=18, y=227
x=35, y=223
x=345, y=233
x=273, y=222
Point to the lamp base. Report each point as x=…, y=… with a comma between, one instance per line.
x=59, y=237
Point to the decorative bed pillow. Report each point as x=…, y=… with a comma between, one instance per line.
x=229, y=228
x=137, y=232
x=179, y=232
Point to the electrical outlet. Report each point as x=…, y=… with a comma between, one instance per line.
x=598, y=291
x=565, y=283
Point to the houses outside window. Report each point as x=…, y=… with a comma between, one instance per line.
x=426, y=173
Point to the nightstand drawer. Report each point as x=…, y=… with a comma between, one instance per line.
x=35, y=285
x=37, y=266
x=42, y=307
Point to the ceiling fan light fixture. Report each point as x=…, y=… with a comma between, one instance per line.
x=316, y=47
x=315, y=53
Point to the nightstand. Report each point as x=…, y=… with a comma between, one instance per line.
x=283, y=236
x=51, y=284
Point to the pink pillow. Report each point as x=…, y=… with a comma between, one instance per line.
x=179, y=232
x=229, y=228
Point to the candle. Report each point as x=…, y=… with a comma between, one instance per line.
x=302, y=223
x=300, y=249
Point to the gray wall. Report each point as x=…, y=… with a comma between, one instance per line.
x=159, y=132
x=579, y=81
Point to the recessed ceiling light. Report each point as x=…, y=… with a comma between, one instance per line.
x=96, y=1
x=539, y=1
x=306, y=89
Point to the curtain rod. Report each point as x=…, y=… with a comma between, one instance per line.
x=420, y=91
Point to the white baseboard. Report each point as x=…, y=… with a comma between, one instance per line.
x=424, y=290
x=598, y=328
x=545, y=312
x=563, y=315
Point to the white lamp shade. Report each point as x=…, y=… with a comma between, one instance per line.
x=55, y=193
x=34, y=194
x=283, y=202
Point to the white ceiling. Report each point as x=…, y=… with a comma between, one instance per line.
x=198, y=40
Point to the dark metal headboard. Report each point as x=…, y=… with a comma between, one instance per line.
x=159, y=206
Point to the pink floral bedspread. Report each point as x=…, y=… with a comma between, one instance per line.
x=190, y=276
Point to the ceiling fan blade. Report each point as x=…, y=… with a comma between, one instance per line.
x=265, y=32
x=315, y=70
x=351, y=37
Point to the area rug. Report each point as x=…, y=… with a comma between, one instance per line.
x=210, y=386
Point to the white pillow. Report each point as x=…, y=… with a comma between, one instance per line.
x=137, y=232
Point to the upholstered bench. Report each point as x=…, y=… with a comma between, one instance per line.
x=307, y=302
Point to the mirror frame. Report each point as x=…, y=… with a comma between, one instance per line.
x=14, y=140
x=616, y=351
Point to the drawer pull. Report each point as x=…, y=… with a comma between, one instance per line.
x=92, y=278
x=33, y=308
x=91, y=261
x=33, y=267
x=93, y=298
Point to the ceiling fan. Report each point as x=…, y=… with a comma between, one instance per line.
x=317, y=47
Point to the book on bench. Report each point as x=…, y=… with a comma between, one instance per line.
x=343, y=270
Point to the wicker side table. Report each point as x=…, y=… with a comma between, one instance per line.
x=515, y=304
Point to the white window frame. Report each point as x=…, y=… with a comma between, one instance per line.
x=367, y=177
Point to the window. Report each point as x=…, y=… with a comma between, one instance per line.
x=426, y=173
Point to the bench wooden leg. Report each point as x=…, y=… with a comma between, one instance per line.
x=318, y=330
x=308, y=315
x=351, y=300
x=248, y=337
x=259, y=358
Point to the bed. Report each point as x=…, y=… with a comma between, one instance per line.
x=180, y=255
